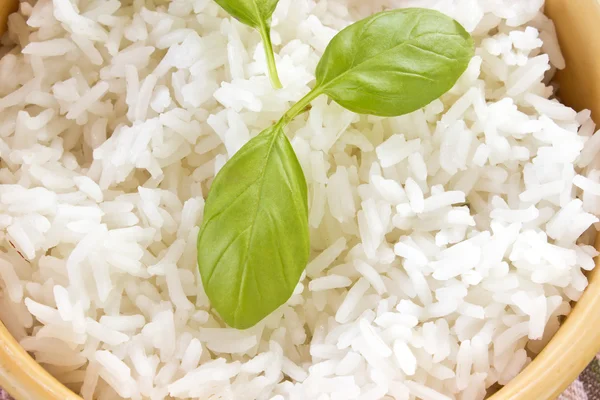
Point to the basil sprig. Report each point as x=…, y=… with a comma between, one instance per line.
x=254, y=241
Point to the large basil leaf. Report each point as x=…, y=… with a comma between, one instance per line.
x=394, y=62
x=257, y=14
x=254, y=241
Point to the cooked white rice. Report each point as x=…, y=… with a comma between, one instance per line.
x=444, y=242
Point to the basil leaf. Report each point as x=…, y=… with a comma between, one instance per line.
x=254, y=241
x=257, y=14
x=394, y=62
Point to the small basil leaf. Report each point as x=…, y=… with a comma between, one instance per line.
x=256, y=14
x=254, y=241
x=394, y=62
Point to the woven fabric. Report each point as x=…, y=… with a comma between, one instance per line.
x=575, y=392
x=590, y=381
x=587, y=387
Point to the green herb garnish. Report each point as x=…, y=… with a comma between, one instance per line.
x=256, y=14
x=394, y=62
x=254, y=241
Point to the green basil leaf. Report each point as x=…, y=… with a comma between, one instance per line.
x=254, y=240
x=257, y=14
x=394, y=62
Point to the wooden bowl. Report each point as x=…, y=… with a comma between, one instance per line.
x=577, y=341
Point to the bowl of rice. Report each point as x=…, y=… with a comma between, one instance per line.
x=452, y=249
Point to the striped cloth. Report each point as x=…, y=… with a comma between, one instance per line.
x=587, y=387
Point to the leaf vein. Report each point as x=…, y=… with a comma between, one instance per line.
x=407, y=73
x=281, y=261
x=288, y=181
x=438, y=34
x=259, y=17
x=223, y=253
x=282, y=268
x=253, y=221
x=363, y=31
x=230, y=204
x=430, y=52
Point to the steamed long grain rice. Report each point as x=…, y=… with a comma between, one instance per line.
x=445, y=243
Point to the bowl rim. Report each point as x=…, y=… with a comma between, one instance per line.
x=23, y=378
x=544, y=378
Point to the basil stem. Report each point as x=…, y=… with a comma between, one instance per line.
x=266, y=38
x=257, y=14
x=300, y=106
